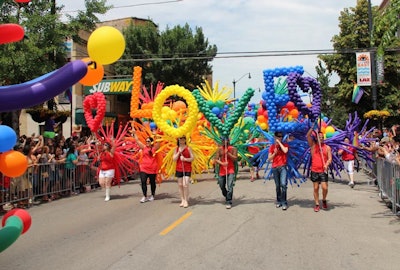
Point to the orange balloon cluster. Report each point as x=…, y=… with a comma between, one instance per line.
x=146, y=110
x=262, y=118
x=289, y=111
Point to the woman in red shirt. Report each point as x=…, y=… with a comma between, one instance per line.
x=148, y=166
x=349, y=154
x=107, y=168
x=183, y=156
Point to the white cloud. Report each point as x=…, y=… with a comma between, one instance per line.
x=246, y=25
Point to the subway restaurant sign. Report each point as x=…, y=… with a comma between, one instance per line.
x=110, y=87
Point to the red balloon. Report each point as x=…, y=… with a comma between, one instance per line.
x=260, y=111
x=11, y=32
x=22, y=214
x=290, y=105
x=22, y=1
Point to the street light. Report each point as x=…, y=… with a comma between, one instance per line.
x=235, y=81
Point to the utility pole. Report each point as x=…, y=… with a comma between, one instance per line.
x=372, y=55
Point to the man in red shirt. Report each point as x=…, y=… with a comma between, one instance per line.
x=226, y=157
x=321, y=158
x=278, y=154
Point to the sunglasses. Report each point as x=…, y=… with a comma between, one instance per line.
x=148, y=141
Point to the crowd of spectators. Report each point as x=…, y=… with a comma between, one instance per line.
x=51, y=172
x=385, y=144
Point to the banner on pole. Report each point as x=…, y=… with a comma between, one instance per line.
x=363, y=61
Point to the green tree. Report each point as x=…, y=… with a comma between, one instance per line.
x=42, y=49
x=354, y=36
x=175, y=56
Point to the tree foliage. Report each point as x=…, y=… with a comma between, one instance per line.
x=176, y=56
x=42, y=50
x=354, y=36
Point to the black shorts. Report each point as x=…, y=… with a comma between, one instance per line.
x=182, y=174
x=319, y=177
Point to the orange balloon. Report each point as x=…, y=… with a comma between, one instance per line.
x=13, y=163
x=261, y=119
x=94, y=74
x=294, y=113
x=178, y=105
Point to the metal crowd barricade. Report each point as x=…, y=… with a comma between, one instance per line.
x=48, y=181
x=388, y=177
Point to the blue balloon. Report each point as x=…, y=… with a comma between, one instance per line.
x=153, y=125
x=216, y=110
x=8, y=138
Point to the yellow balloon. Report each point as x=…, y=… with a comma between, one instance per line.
x=172, y=115
x=106, y=45
x=329, y=129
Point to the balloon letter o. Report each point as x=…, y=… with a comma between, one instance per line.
x=193, y=110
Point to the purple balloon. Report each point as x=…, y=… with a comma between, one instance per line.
x=28, y=94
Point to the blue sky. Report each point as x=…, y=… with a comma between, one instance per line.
x=244, y=26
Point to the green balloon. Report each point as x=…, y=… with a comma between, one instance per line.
x=10, y=232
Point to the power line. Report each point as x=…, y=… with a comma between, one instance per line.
x=241, y=54
x=133, y=5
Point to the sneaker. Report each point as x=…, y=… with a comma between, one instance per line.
x=278, y=205
x=151, y=198
x=252, y=179
x=316, y=208
x=284, y=207
x=228, y=206
x=324, y=205
x=351, y=184
x=143, y=200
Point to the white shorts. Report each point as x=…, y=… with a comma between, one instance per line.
x=106, y=173
x=349, y=166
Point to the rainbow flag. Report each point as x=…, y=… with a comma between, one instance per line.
x=357, y=94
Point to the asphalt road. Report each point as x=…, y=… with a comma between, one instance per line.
x=84, y=232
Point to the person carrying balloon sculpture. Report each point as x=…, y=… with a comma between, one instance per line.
x=226, y=160
x=349, y=154
x=107, y=168
x=183, y=156
x=321, y=158
x=148, y=166
x=278, y=154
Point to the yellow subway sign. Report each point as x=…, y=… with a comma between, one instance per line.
x=110, y=87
